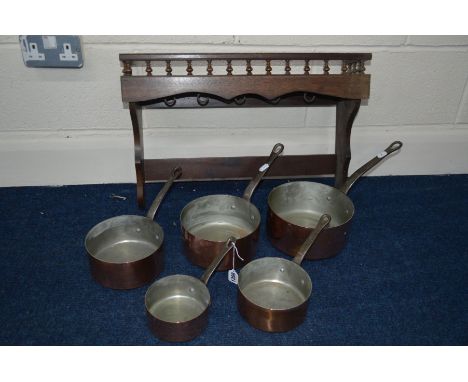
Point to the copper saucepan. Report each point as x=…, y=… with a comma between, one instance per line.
x=177, y=305
x=207, y=223
x=125, y=251
x=273, y=293
x=294, y=209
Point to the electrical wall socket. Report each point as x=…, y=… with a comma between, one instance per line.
x=68, y=55
x=32, y=53
x=51, y=51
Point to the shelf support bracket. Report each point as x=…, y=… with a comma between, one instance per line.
x=137, y=124
x=346, y=111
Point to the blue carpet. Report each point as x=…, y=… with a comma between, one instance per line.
x=401, y=280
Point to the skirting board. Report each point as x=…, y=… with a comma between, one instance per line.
x=103, y=156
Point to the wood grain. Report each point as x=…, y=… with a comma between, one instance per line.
x=346, y=111
x=244, y=56
x=143, y=88
x=286, y=166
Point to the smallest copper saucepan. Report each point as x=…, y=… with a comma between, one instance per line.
x=125, y=251
x=177, y=305
x=273, y=292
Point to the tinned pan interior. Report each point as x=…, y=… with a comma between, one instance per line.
x=273, y=294
x=275, y=283
x=218, y=217
x=207, y=223
x=177, y=307
x=303, y=203
x=124, y=239
x=125, y=252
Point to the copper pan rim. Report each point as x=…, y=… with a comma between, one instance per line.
x=183, y=221
x=155, y=285
x=271, y=260
x=310, y=184
x=101, y=227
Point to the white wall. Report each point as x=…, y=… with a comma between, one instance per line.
x=63, y=126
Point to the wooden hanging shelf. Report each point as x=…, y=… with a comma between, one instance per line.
x=345, y=90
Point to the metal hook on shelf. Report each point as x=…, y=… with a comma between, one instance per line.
x=170, y=101
x=309, y=100
x=240, y=100
x=202, y=102
x=274, y=101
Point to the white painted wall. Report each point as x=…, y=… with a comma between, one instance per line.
x=63, y=126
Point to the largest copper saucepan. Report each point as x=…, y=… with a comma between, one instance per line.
x=207, y=223
x=294, y=209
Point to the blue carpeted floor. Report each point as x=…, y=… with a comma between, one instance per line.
x=401, y=280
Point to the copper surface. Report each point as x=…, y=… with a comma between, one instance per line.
x=270, y=320
x=127, y=275
x=288, y=237
x=202, y=252
x=178, y=332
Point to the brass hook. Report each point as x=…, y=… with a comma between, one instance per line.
x=240, y=100
x=309, y=100
x=170, y=102
x=202, y=103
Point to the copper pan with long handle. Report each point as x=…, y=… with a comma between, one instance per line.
x=125, y=251
x=207, y=223
x=294, y=209
x=273, y=293
x=177, y=305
